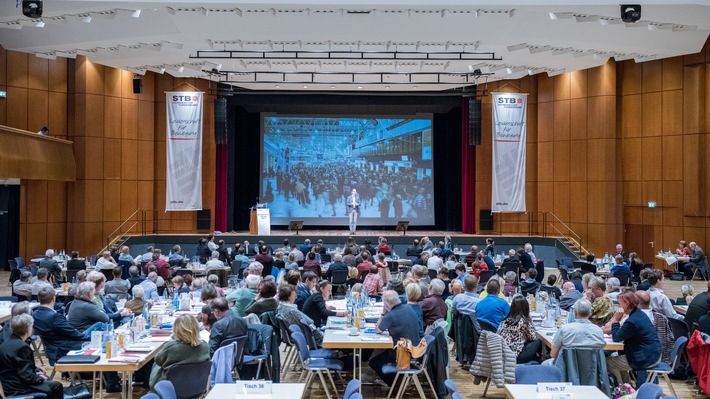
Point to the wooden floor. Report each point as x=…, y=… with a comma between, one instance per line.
x=462, y=378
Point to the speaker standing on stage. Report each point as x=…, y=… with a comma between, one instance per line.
x=353, y=204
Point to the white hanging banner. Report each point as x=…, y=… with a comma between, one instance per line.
x=184, y=151
x=509, y=127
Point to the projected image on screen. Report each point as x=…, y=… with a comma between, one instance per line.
x=310, y=164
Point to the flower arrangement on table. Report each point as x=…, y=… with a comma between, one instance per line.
x=622, y=390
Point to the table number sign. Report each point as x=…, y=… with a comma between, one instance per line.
x=554, y=390
x=254, y=387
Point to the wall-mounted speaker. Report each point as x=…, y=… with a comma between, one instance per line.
x=204, y=217
x=474, y=121
x=485, y=220
x=137, y=85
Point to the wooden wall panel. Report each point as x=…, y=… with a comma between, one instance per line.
x=602, y=80
x=601, y=117
x=57, y=115
x=17, y=109
x=672, y=163
x=672, y=113
x=95, y=118
x=562, y=87
x=545, y=161
x=38, y=73
x=128, y=194
x=578, y=118
x=579, y=197
x=693, y=99
x=37, y=203
x=56, y=201
x=112, y=82
x=672, y=73
x=36, y=239
x=632, y=105
x=57, y=75
x=38, y=104
x=652, y=153
x=634, y=159
x=112, y=117
x=652, y=115
x=545, y=196
x=94, y=75
x=632, y=81
x=578, y=84
x=561, y=160
x=562, y=120
x=652, y=70
x=545, y=121
x=693, y=176
x=17, y=69
x=545, y=87
x=130, y=156
x=579, y=161
x=129, y=119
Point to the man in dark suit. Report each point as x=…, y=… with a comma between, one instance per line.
x=228, y=325
x=353, y=205
x=18, y=373
x=415, y=249
x=58, y=336
x=570, y=295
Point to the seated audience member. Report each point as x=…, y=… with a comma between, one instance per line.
x=433, y=306
x=529, y=250
x=239, y=255
x=492, y=309
x=315, y=306
x=635, y=265
x=23, y=286
x=414, y=250
x=83, y=312
x=550, y=287
x=696, y=260
x=365, y=265
x=289, y=312
x=305, y=288
x=660, y=323
x=613, y=287
x=58, y=336
x=52, y=267
x=150, y=289
x=434, y=262
x=530, y=285
x=214, y=263
x=265, y=300
x=659, y=300
x=579, y=334
x=455, y=287
x=208, y=293
x=451, y=262
x=214, y=280
x=466, y=302
x=444, y=277
x=512, y=256
x=602, y=305
x=279, y=262
x=704, y=321
x=526, y=262
x=619, y=265
x=413, y=294
x=108, y=306
x=687, y=291
x=471, y=256
x=292, y=264
x=501, y=283
x=227, y=325
x=75, y=263
x=137, y=303
x=41, y=282
x=312, y=264
x=401, y=322
x=179, y=286
x=518, y=331
x=570, y=295
x=255, y=268
x=133, y=276
x=176, y=256
x=383, y=268
x=106, y=261
x=460, y=272
x=419, y=274
x=641, y=346
x=478, y=266
x=509, y=285
x=383, y=248
x=117, y=288
x=373, y=282
x=244, y=296
x=18, y=373
x=17, y=309
x=423, y=259
x=396, y=284
x=184, y=347
x=80, y=278
x=195, y=288
x=643, y=276
x=336, y=266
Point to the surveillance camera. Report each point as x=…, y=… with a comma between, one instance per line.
x=32, y=8
x=630, y=13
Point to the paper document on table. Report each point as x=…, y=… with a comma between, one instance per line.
x=671, y=260
x=125, y=359
x=376, y=339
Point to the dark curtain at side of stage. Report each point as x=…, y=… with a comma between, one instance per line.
x=9, y=223
x=468, y=174
x=447, y=170
x=244, y=166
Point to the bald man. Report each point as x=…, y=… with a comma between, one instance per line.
x=570, y=295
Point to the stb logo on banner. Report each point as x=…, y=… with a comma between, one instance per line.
x=184, y=151
x=509, y=127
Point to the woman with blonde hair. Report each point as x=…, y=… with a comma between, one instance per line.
x=184, y=347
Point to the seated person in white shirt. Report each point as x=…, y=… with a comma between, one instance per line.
x=106, y=261
x=22, y=286
x=215, y=263
x=41, y=281
x=579, y=334
x=659, y=300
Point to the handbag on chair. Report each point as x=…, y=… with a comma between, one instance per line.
x=406, y=351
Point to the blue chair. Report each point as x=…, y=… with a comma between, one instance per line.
x=352, y=389
x=165, y=390
x=450, y=387
x=315, y=367
x=315, y=353
x=649, y=390
x=190, y=380
x=34, y=395
x=663, y=368
x=150, y=395
x=456, y=395
x=221, y=371
x=534, y=374
x=411, y=373
x=356, y=396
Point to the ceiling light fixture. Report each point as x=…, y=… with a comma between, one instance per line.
x=517, y=47
x=46, y=56
x=561, y=15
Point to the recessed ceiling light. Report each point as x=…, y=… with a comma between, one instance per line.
x=415, y=87
x=359, y=87
x=387, y=87
x=278, y=87
x=305, y=87
x=332, y=87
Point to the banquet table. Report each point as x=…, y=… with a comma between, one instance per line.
x=526, y=391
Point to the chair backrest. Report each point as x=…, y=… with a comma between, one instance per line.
x=537, y=373
x=567, y=262
x=564, y=277
x=339, y=277
x=239, y=352
x=165, y=390
x=8, y=298
x=300, y=263
x=427, y=353
x=485, y=276
x=352, y=388
x=108, y=273
x=223, y=364
x=623, y=277
x=649, y=390
x=678, y=346
x=325, y=258
x=433, y=273
x=456, y=395
x=356, y=395
x=190, y=379
x=228, y=341
x=301, y=345
x=20, y=262
x=679, y=328
x=486, y=327
x=450, y=386
x=584, y=366
x=308, y=333
x=283, y=331
x=12, y=263
x=150, y=395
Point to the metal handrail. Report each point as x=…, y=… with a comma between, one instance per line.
x=142, y=217
x=558, y=220
x=539, y=222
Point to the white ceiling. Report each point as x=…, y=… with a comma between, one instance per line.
x=391, y=45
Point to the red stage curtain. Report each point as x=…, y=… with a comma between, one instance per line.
x=468, y=175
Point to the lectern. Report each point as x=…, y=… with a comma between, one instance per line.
x=295, y=225
x=402, y=226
